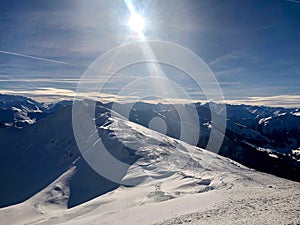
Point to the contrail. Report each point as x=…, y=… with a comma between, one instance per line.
x=34, y=57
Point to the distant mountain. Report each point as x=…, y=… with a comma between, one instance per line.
x=19, y=111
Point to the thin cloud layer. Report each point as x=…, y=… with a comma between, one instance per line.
x=49, y=95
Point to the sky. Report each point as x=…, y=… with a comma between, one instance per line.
x=251, y=46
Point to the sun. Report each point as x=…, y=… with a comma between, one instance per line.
x=136, y=23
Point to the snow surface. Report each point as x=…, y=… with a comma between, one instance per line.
x=181, y=184
x=296, y=113
x=259, y=199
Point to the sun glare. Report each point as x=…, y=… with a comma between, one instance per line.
x=136, y=23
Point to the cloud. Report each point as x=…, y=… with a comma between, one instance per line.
x=229, y=72
x=50, y=80
x=287, y=101
x=49, y=95
x=46, y=95
x=224, y=58
x=243, y=55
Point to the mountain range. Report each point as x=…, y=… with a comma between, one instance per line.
x=46, y=180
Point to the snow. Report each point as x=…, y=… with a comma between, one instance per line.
x=51, y=200
x=180, y=184
x=20, y=111
x=296, y=151
x=296, y=113
x=273, y=155
x=263, y=200
x=264, y=120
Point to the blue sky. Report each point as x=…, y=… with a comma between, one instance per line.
x=251, y=46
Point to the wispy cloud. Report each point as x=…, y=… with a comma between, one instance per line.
x=34, y=57
x=224, y=58
x=229, y=71
x=242, y=54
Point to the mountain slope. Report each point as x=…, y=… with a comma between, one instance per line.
x=177, y=182
x=33, y=157
x=266, y=146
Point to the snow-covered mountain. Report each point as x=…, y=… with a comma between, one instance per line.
x=259, y=137
x=266, y=146
x=19, y=111
x=179, y=183
x=266, y=127
x=280, y=127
